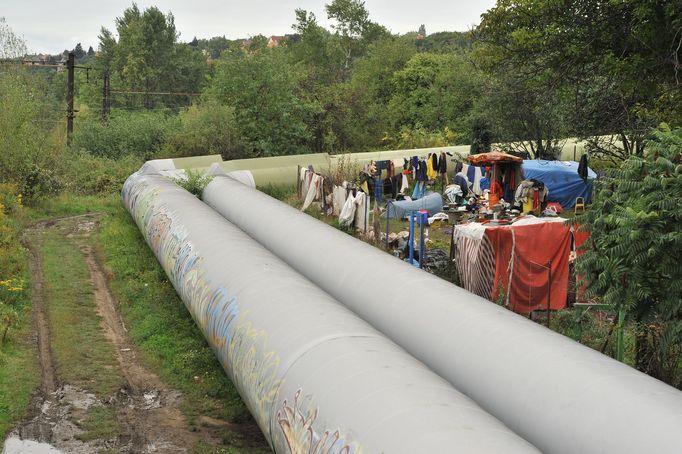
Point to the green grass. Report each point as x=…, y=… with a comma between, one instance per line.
x=100, y=424
x=82, y=354
x=19, y=376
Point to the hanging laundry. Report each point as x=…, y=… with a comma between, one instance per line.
x=314, y=191
x=476, y=183
x=362, y=212
x=430, y=171
x=419, y=190
x=405, y=184
x=348, y=211
x=338, y=199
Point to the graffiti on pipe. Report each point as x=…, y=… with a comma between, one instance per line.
x=242, y=349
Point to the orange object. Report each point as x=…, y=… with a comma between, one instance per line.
x=493, y=157
x=495, y=194
x=530, y=248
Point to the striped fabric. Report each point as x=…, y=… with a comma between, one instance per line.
x=474, y=259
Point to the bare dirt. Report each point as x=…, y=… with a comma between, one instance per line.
x=147, y=411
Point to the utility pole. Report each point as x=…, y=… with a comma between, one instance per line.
x=70, y=64
x=106, y=93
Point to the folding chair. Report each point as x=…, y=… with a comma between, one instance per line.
x=579, y=204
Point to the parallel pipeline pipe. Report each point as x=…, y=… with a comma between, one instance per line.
x=316, y=378
x=563, y=397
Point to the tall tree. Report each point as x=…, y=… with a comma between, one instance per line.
x=146, y=56
x=78, y=52
x=353, y=27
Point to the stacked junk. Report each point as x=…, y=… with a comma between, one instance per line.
x=338, y=347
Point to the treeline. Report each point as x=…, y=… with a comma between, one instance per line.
x=355, y=87
x=531, y=74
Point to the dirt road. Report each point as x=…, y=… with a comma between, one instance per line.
x=146, y=411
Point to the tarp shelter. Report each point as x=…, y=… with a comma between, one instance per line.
x=561, y=179
x=510, y=264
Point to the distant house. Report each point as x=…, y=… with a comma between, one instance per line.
x=39, y=59
x=275, y=41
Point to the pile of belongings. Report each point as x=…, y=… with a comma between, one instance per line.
x=530, y=195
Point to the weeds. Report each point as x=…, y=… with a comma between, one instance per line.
x=194, y=181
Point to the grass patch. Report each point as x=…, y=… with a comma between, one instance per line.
x=99, y=424
x=82, y=354
x=279, y=192
x=19, y=376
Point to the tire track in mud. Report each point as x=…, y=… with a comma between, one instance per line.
x=147, y=411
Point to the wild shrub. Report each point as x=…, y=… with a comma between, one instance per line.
x=194, y=181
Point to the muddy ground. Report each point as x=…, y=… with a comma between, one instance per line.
x=147, y=411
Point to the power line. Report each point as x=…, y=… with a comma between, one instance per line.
x=164, y=93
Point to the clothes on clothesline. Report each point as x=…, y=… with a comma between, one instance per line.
x=314, y=191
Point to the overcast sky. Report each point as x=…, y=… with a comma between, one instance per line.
x=50, y=26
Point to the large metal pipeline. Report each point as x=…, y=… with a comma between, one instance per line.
x=561, y=396
x=316, y=378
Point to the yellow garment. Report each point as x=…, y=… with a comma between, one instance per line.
x=364, y=188
x=431, y=173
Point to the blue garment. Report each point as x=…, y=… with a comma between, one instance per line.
x=462, y=183
x=484, y=183
x=419, y=189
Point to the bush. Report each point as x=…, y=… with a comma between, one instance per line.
x=86, y=174
x=140, y=134
x=203, y=130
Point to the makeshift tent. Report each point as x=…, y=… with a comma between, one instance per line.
x=511, y=264
x=562, y=180
x=433, y=203
x=506, y=173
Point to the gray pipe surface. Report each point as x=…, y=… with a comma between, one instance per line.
x=316, y=378
x=561, y=396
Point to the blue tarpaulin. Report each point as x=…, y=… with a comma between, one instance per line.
x=562, y=180
x=433, y=203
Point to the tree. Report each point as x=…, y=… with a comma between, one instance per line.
x=351, y=22
x=271, y=113
x=422, y=31
x=91, y=51
x=481, y=136
x=146, y=56
x=78, y=52
x=11, y=45
x=618, y=60
x=27, y=156
x=434, y=91
x=631, y=260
